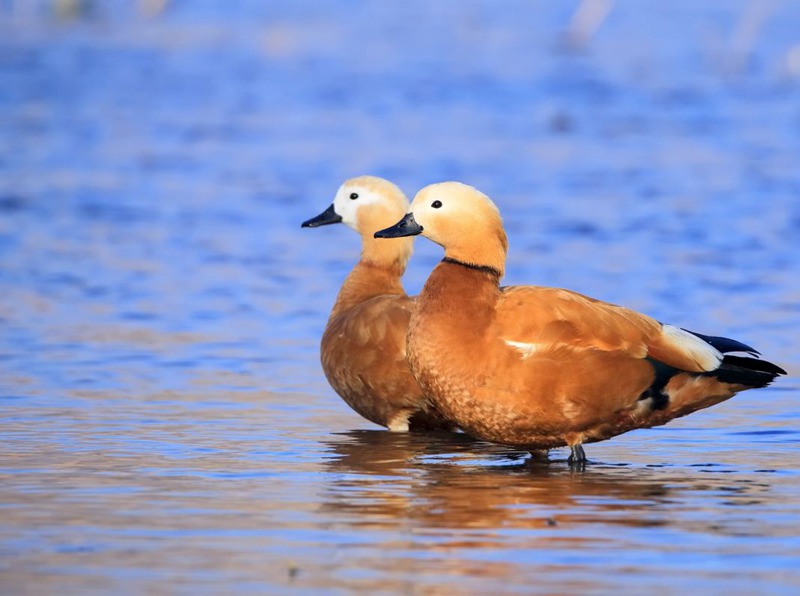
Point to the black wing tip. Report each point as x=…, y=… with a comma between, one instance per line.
x=749, y=370
x=744, y=370
x=725, y=344
x=755, y=364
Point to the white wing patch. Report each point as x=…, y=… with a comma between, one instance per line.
x=706, y=355
x=526, y=349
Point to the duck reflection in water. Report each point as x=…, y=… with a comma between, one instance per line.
x=452, y=481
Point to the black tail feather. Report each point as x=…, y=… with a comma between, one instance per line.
x=725, y=344
x=743, y=370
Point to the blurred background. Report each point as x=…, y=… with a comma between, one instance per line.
x=160, y=307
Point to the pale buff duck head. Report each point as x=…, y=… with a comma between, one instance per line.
x=460, y=218
x=367, y=204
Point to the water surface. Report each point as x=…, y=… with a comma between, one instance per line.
x=166, y=424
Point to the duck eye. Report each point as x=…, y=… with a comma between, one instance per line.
x=353, y=195
x=436, y=204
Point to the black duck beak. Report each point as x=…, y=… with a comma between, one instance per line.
x=329, y=216
x=405, y=227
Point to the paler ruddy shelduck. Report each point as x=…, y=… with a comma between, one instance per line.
x=363, y=348
x=540, y=367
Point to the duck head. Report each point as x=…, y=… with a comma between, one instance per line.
x=461, y=219
x=367, y=204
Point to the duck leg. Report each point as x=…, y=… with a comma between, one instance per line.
x=578, y=455
x=399, y=423
x=538, y=455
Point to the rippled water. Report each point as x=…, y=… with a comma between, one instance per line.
x=166, y=425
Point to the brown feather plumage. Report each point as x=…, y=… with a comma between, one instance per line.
x=363, y=348
x=540, y=367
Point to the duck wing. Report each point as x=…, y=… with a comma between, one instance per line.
x=532, y=318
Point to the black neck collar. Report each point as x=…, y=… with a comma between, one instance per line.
x=482, y=268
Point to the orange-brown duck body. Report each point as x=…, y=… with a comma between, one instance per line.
x=540, y=367
x=363, y=348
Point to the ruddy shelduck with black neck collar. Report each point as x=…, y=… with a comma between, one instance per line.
x=540, y=367
x=363, y=348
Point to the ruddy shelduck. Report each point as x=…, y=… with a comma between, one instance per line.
x=363, y=349
x=540, y=367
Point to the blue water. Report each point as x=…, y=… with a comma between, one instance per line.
x=166, y=425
